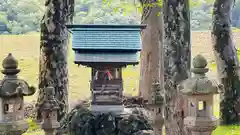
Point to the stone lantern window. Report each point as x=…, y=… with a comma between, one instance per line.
x=200, y=92
x=12, y=92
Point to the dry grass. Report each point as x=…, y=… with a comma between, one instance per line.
x=26, y=49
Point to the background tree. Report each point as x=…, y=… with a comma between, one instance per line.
x=236, y=14
x=176, y=60
x=226, y=59
x=24, y=16
x=151, y=42
x=53, y=51
x=151, y=70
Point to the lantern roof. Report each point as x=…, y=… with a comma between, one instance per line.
x=199, y=84
x=13, y=87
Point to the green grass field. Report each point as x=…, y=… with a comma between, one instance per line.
x=26, y=49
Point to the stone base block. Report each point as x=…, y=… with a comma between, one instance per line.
x=49, y=132
x=201, y=125
x=107, y=108
x=15, y=127
x=49, y=125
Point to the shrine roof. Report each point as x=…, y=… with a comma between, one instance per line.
x=142, y=26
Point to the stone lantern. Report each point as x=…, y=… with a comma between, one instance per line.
x=12, y=91
x=200, y=92
x=49, y=107
x=155, y=104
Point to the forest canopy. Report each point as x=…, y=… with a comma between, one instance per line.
x=24, y=16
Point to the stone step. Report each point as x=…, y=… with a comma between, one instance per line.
x=106, y=92
x=106, y=103
x=106, y=88
x=107, y=85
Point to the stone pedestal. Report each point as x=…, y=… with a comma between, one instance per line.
x=14, y=128
x=201, y=126
x=49, y=132
x=49, y=127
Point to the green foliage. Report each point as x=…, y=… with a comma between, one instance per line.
x=103, y=13
x=195, y=3
x=201, y=20
x=3, y=17
x=33, y=126
x=23, y=16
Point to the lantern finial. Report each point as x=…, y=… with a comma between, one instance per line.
x=10, y=65
x=200, y=83
x=199, y=65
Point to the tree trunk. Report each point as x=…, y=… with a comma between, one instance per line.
x=151, y=48
x=177, y=59
x=54, y=51
x=227, y=60
x=152, y=55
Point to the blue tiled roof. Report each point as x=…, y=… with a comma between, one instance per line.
x=100, y=39
x=109, y=37
x=107, y=57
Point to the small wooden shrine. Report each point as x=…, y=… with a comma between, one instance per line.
x=106, y=49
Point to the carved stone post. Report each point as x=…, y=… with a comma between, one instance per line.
x=200, y=91
x=155, y=104
x=49, y=107
x=12, y=92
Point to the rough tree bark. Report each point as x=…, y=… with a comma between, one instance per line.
x=53, y=52
x=177, y=59
x=227, y=60
x=151, y=47
x=152, y=55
